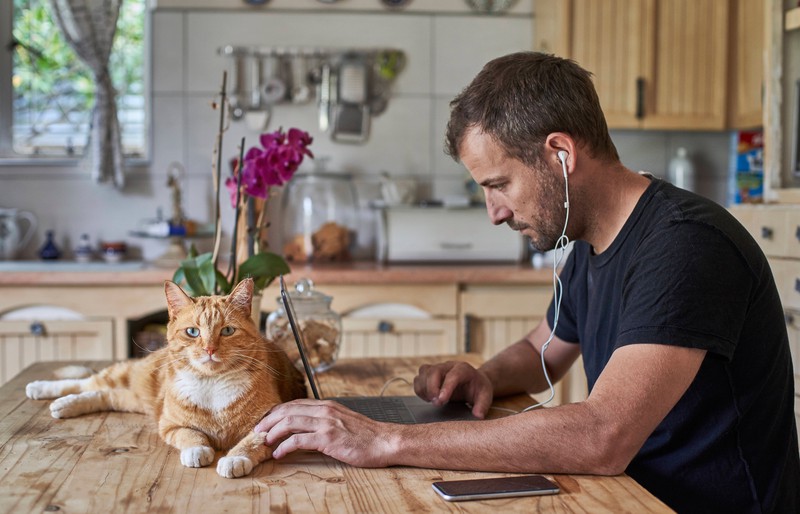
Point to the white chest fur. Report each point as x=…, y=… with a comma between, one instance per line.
x=212, y=393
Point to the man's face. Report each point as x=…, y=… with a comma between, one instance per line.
x=528, y=200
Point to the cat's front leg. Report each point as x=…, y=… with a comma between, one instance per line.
x=241, y=459
x=47, y=389
x=196, y=451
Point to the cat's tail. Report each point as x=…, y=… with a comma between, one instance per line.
x=73, y=371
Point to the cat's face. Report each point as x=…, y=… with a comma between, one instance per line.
x=211, y=334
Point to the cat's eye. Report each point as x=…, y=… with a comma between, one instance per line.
x=193, y=331
x=226, y=331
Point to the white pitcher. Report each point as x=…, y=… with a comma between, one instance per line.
x=12, y=239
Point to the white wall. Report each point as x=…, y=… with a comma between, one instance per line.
x=444, y=51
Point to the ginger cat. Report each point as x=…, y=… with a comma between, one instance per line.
x=207, y=388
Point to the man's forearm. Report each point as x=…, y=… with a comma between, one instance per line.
x=515, y=370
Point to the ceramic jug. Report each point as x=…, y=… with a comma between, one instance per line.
x=12, y=237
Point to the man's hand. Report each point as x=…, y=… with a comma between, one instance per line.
x=330, y=428
x=455, y=381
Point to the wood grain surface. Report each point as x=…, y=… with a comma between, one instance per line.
x=115, y=462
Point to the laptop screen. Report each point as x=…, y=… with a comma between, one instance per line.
x=298, y=337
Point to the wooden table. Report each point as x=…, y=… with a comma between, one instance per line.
x=115, y=462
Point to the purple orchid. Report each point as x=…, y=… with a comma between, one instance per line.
x=272, y=165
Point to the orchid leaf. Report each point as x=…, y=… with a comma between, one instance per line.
x=263, y=268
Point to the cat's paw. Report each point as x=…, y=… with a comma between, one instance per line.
x=197, y=456
x=76, y=404
x=234, y=467
x=41, y=390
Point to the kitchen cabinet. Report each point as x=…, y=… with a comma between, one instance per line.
x=496, y=316
x=746, y=92
x=386, y=310
x=793, y=326
x=776, y=228
x=781, y=102
x=24, y=342
x=657, y=64
x=385, y=330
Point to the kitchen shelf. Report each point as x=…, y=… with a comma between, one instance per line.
x=792, y=19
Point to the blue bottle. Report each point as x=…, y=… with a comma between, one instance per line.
x=49, y=252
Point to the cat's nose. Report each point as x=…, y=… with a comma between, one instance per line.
x=210, y=351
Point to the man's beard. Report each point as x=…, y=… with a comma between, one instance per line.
x=550, y=226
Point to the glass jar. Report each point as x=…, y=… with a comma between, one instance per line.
x=319, y=213
x=320, y=325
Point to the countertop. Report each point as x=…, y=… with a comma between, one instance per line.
x=115, y=462
x=35, y=273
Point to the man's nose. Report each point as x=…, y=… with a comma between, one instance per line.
x=498, y=214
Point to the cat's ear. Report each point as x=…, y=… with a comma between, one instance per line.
x=177, y=299
x=242, y=295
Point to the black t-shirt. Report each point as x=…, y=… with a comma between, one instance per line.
x=684, y=272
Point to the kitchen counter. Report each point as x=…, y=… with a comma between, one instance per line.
x=36, y=273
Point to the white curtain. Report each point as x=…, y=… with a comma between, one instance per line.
x=89, y=27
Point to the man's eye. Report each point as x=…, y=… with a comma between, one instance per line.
x=226, y=331
x=193, y=331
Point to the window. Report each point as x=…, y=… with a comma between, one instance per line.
x=51, y=93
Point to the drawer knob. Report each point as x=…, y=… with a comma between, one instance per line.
x=788, y=317
x=797, y=233
x=766, y=232
x=797, y=285
x=37, y=328
x=384, y=327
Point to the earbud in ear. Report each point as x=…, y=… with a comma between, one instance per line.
x=562, y=155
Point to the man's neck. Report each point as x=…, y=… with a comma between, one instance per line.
x=612, y=195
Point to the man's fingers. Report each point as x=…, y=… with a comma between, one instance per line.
x=483, y=401
x=293, y=443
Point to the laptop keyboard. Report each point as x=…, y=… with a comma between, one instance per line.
x=393, y=410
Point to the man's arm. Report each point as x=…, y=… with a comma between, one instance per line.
x=601, y=435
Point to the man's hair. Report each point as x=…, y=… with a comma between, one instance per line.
x=521, y=98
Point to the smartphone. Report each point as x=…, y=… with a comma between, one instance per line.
x=503, y=487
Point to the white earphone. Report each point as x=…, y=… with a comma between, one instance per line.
x=562, y=156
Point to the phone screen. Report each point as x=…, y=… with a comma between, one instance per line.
x=503, y=487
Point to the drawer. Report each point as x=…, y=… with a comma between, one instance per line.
x=787, y=279
x=365, y=337
x=24, y=342
x=769, y=228
x=792, y=233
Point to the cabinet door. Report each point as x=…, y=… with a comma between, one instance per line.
x=793, y=328
x=498, y=316
x=364, y=337
x=747, y=65
x=613, y=40
x=689, y=78
x=24, y=342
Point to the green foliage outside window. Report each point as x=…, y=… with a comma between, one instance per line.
x=54, y=91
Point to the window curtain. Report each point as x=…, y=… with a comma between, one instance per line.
x=88, y=27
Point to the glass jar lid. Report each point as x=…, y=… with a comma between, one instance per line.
x=306, y=298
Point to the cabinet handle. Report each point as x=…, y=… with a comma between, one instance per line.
x=384, y=327
x=37, y=328
x=766, y=233
x=797, y=233
x=639, y=98
x=797, y=285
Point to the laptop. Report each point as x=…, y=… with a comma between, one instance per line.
x=393, y=409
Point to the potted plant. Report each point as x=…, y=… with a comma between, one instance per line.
x=254, y=175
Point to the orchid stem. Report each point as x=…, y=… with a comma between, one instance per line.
x=240, y=168
x=217, y=165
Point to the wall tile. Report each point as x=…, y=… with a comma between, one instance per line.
x=210, y=31
x=168, y=52
x=463, y=44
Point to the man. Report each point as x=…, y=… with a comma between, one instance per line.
x=669, y=300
